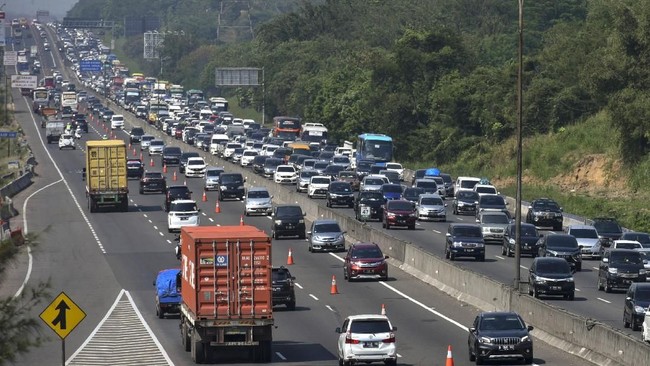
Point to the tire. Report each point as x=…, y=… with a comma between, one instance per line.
x=626, y=324
x=291, y=306
x=608, y=288
x=454, y=211
x=328, y=204
x=302, y=236
x=185, y=338
x=481, y=258
x=503, y=249
x=528, y=360
x=571, y=296
x=600, y=285
x=472, y=358
x=635, y=326
x=535, y=293
x=159, y=312
x=579, y=267
x=479, y=360
x=412, y=227
x=141, y=191
x=530, y=290
x=452, y=257
x=390, y=362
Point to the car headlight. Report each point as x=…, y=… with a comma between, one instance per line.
x=301, y=221
x=486, y=340
x=413, y=214
x=570, y=279
x=461, y=203
x=552, y=253
x=278, y=222
x=512, y=241
x=639, y=309
x=612, y=270
x=240, y=187
x=457, y=243
x=642, y=272
x=390, y=214
x=223, y=188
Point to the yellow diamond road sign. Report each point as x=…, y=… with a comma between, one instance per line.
x=62, y=315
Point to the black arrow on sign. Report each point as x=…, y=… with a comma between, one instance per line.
x=60, y=319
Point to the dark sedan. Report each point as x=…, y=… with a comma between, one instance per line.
x=528, y=240
x=134, y=168
x=153, y=182
x=399, y=213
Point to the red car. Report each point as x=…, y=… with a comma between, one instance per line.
x=365, y=261
x=399, y=213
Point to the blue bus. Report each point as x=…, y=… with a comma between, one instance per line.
x=373, y=146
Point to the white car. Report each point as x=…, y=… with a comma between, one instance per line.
x=117, y=121
x=318, y=185
x=247, y=157
x=396, y=167
x=646, y=326
x=195, y=167
x=285, y=174
x=182, y=213
x=230, y=149
x=145, y=140
x=268, y=149
x=367, y=338
x=156, y=147
x=67, y=141
x=483, y=189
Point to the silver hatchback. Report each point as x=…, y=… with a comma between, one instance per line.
x=431, y=207
x=326, y=235
x=258, y=201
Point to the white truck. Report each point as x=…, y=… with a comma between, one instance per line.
x=69, y=99
x=33, y=52
x=54, y=130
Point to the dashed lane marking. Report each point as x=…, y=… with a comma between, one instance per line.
x=298, y=285
x=500, y=257
x=313, y=297
x=603, y=300
x=281, y=356
x=330, y=308
x=436, y=231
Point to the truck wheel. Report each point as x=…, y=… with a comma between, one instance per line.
x=264, y=352
x=185, y=338
x=159, y=312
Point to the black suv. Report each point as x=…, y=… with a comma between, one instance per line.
x=464, y=240
x=492, y=202
x=370, y=201
x=637, y=301
x=171, y=155
x=528, y=240
x=135, y=135
x=608, y=230
x=551, y=276
x=545, y=212
x=465, y=202
x=508, y=334
x=340, y=193
x=176, y=193
x=288, y=220
x=183, y=160
x=619, y=268
x=153, y=182
x=231, y=185
x=134, y=168
x=283, y=291
x=561, y=246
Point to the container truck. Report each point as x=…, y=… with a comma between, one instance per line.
x=226, y=292
x=53, y=130
x=106, y=181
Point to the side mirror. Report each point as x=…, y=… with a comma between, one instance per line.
x=605, y=260
x=394, y=329
x=445, y=205
x=304, y=214
x=338, y=330
x=344, y=232
x=628, y=298
x=478, y=221
x=645, y=261
x=199, y=210
x=309, y=233
x=154, y=283
x=561, y=209
x=448, y=235
x=472, y=329
x=385, y=257
x=530, y=327
x=530, y=207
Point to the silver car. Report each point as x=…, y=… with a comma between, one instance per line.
x=493, y=224
x=587, y=238
x=258, y=201
x=156, y=147
x=325, y=235
x=373, y=182
x=431, y=207
x=303, y=180
x=212, y=175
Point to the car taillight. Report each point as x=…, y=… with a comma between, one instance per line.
x=390, y=339
x=349, y=340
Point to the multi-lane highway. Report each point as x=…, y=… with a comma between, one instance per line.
x=106, y=262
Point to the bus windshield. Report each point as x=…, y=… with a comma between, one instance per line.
x=381, y=151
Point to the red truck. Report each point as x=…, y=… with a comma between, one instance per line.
x=226, y=292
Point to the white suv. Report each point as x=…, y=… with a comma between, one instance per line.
x=117, y=121
x=182, y=213
x=318, y=185
x=285, y=174
x=247, y=157
x=195, y=167
x=367, y=338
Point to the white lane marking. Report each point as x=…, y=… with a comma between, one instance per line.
x=596, y=268
x=336, y=256
x=169, y=241
x=210, y=218
x=131, y=200
x=155, y=227
x=436, y=231
x=418, y=224
x=460, y=219
x=151, y=222
x=145, y=215
x=298, y=285
x=578, y=289
x=500, y=257
x=603, y=300
x=203, y=213
x=30, y=259
x=398, y=355
x=281, y=357
x=524, y=267
x=269, y=217
x=56, y=166
x=330, y=308
x=161, y=234
x=313, y=297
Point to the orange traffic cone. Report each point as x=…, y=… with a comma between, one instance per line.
x=205, y=197
x=129, y=145
x=184, y=182
x=241, y=220
x=174, y=177
x=134, y=153
x=450, y=358
x=151, y=162
x=383, y=309
x=140, y=155
x=334, y=290
x=164, y=168
x=217, y=209
x=290, y=258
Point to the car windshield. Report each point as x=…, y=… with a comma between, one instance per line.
x=561, y=267
x=213, y=173
x=183, y=206
x=426, y=184
x=367, y=252
x=321, y=165
x=370, y=326
x=289, y=211
x=327, y=228
x=584, y=233
x=373, y=182
x=250, y=153
x=546, y=205
x=319, y=180
x=467, y=195
x=232, y=179
x=470, y=232
x=188, y=155
x=413, y=192
x=239, y=151
x=135, y=164
x=281, y=275
x=642, y=238
x=431, y=201
x=562, y=241
x=346, y=174
x=400, y=205
x=642, y=294
x=527, y=230
x=272, y=163
x=628, y=245
x=308, y=174
x=393, y=166
x=339, y=187
x=501, y=322
x=153, y=175
x=495, y=219
x=341, y=159
x=146, y=138
x=371, y=196
x=334, y=169
x=172, y=150
x=607, y=227
x=468, y=184
x=286, y=169
x=625, y=258
x=391, y=188
x=486, y=190
x=492, y=201
x=258, y=194
x=195, y=162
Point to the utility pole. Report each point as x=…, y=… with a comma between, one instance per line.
x=520, y=98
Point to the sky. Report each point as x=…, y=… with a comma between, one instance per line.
x=28, y=8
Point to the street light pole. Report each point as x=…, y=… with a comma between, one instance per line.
x=520, y=98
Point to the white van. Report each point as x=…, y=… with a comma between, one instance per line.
x=215, y=142
x=466, y=183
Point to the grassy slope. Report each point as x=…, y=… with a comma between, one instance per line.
x=552, y=160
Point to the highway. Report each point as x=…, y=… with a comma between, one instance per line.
x=106, y=263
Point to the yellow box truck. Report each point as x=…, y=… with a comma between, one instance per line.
x=105, y=172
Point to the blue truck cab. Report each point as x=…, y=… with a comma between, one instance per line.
x=168, y=292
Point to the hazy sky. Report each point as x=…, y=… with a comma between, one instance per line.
x=28, y=8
